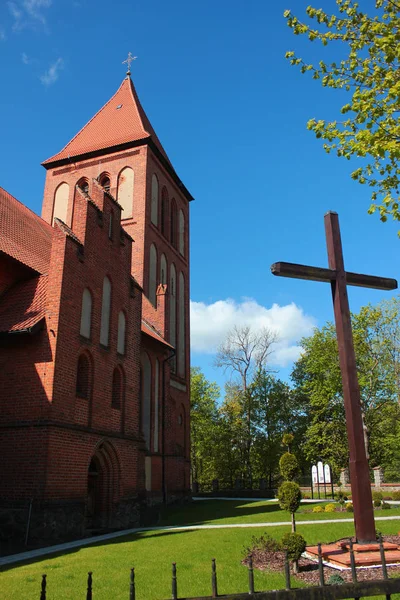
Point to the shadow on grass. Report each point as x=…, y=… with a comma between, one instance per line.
x=198, y=513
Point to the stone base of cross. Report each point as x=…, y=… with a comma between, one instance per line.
x=339, y=279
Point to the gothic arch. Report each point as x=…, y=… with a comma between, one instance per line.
x=103, y=488
x=146, y=388
x=172, y=312
x=164, y=212
x=126, y=185
x=181, y=320
x=181, y=233
x=61, y=197
x=153, y=275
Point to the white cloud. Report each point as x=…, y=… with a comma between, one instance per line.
x=25, y=59
x=2, y=35
x=209, y=325
x=28, y=13
x=52, y=74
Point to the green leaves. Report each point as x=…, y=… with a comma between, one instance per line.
x=370, y=73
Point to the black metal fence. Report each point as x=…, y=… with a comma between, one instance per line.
x=356, y=589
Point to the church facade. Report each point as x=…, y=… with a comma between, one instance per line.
x=94, y=334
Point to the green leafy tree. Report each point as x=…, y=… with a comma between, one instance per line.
x=376, y=333
x=204, y=423
x=368, y=69
x=289, y=496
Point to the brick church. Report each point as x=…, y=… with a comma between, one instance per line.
x=94, y=334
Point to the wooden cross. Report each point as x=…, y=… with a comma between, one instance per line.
x=128, y=62
x=339, y=279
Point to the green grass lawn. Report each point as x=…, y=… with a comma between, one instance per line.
x=151, y=553
x=214, y=512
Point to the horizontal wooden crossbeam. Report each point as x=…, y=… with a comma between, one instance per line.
x=295, y=271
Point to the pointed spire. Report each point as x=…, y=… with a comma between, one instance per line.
x=120, y=121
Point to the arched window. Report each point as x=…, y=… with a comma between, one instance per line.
x=83, y=184
x=174, y=218
x=156, y=404
x=163, y=269
x=86, y=313
x=181, y=244
x=104, y=181
x=164, y=212
x=153, y=275
x=181, y=344
x=172, y=313
x=121, y=333
x=117, y=388
x=146, y=398
x=126, y=185
x=61, y=202
x=105, y=312
x=83, y=377
x=154, y=200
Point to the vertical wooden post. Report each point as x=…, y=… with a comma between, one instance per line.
x=358, y=464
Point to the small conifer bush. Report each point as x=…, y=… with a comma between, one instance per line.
x=396, y=495
x=377, y=496
x=385, y=506
x=349, y=507
x=318, y=509
x=377, y=503
x=330, y=508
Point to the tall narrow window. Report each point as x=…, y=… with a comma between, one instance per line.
x=117, y=388
x=163, y=269
x=172, y=312
x=181, y=244
x=105, y=312
x=181, y=344
x=83, y=184
x=146, y=398
x=126, y=185
x=154, y=200
x=61, y=202
x=156, y=404
x=153, y=275
x=83, y=377
x=86, y=313
x=121, y=333
x=173, y=223
x=164, y=212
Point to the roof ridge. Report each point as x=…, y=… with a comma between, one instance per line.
x=136, y=101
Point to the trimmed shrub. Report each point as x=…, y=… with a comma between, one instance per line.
x=289, y=496
x=396, y=495
x=295, y=545
x=385, y=506
x=377, y=503
x=288, y=466
x=265, y=542
x=330, y=508
x=377, y=495
x=318, y=509
x=349, y=508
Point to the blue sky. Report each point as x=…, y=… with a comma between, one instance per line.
x=231, y=113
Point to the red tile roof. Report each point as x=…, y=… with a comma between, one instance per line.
x=150, y=331
x=23, y=306
x=121, y=120
x=23, y=234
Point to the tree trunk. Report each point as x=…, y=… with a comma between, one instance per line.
x=293, y=524
x=295, y=566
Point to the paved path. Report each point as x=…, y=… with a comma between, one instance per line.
x=32, y=554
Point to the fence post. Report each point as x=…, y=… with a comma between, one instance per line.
x=43, y=591
x=383, y=558
x=320, y=566
x=89, y=586
x=251, y=575
x=132, y=585
x=214, y=579
x=287, y=571
x=174, y=583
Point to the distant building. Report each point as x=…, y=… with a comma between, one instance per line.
x=94, y=333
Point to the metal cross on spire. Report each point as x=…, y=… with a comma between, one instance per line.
x=128, y=62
